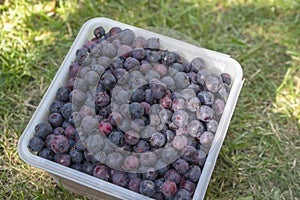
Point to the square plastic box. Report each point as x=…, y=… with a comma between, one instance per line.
x=92, y=187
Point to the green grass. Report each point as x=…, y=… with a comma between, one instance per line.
x=260, y=155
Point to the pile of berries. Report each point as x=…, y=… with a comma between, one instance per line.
x=135, y=115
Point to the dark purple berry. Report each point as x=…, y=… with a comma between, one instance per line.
x=169, y=154
x=134, y=184
x=182, y=195
x=212, y=126
x=88, y=167
x=172, y=175
x=62, y=94
x=168, y=58
x=180, y=141
x=76, y=156
x=206, y=97
x=178, y=104
x=126, y=36
x=60, y=144
x=70, y=132
x=138, y=95
x=43, y=129
x=157, y=90
x=109, y=50
x=63, y=159
x=162, y=171
x=189, y=153
x=148, y=159
x=195, y=127
x=79, y=145
x=202, y=75
x=117, y=63
x=66, y=110
x=47, y=154
x=138, y=125
x=188, y=186
x=218, y=106
x=147, y=187
x=131, y=63
x=136, y=110
x=194, y=173
x=131, y=163
x=65, y=124
x=119, y=178
x=102, y=99
x=206, y=138
x=181, y=166
x=205, y=113
x=138, y=53
x=134, y=175
x=158, y=196
x=201, y=158
x=157, y=140
x=115, y=160
x=139, y=42
x=151, y=174
x=168, y=188
x=152, y=56
x=36, y=144
x=158, y=182
x=49, y=140
x=186, y=66
x=170, y=135
x=178, y=67
x=102, y=172
x=197, y=64
x=141, y=147
x=119, y=74
x=124, y=51
x=213, y=83
x=74, y=69
x=105, y=111
x=55, y=119
x=114, y=31
x=108, y=81
x=60, y=130
x=132, y=137
x=166, y=102
x=182, y=80
x=81, y=54
x=226, y=78
x=161, y=69
x=71, y=82
x=117, y=138
x=149, y=98
x=99, y=32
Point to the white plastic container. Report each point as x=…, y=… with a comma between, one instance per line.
x=90, y=186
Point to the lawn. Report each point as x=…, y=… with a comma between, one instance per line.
x=260, y=155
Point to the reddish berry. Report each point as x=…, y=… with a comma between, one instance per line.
x=105, y=127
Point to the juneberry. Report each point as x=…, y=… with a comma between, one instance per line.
x=43, y=129
x=36, y=144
